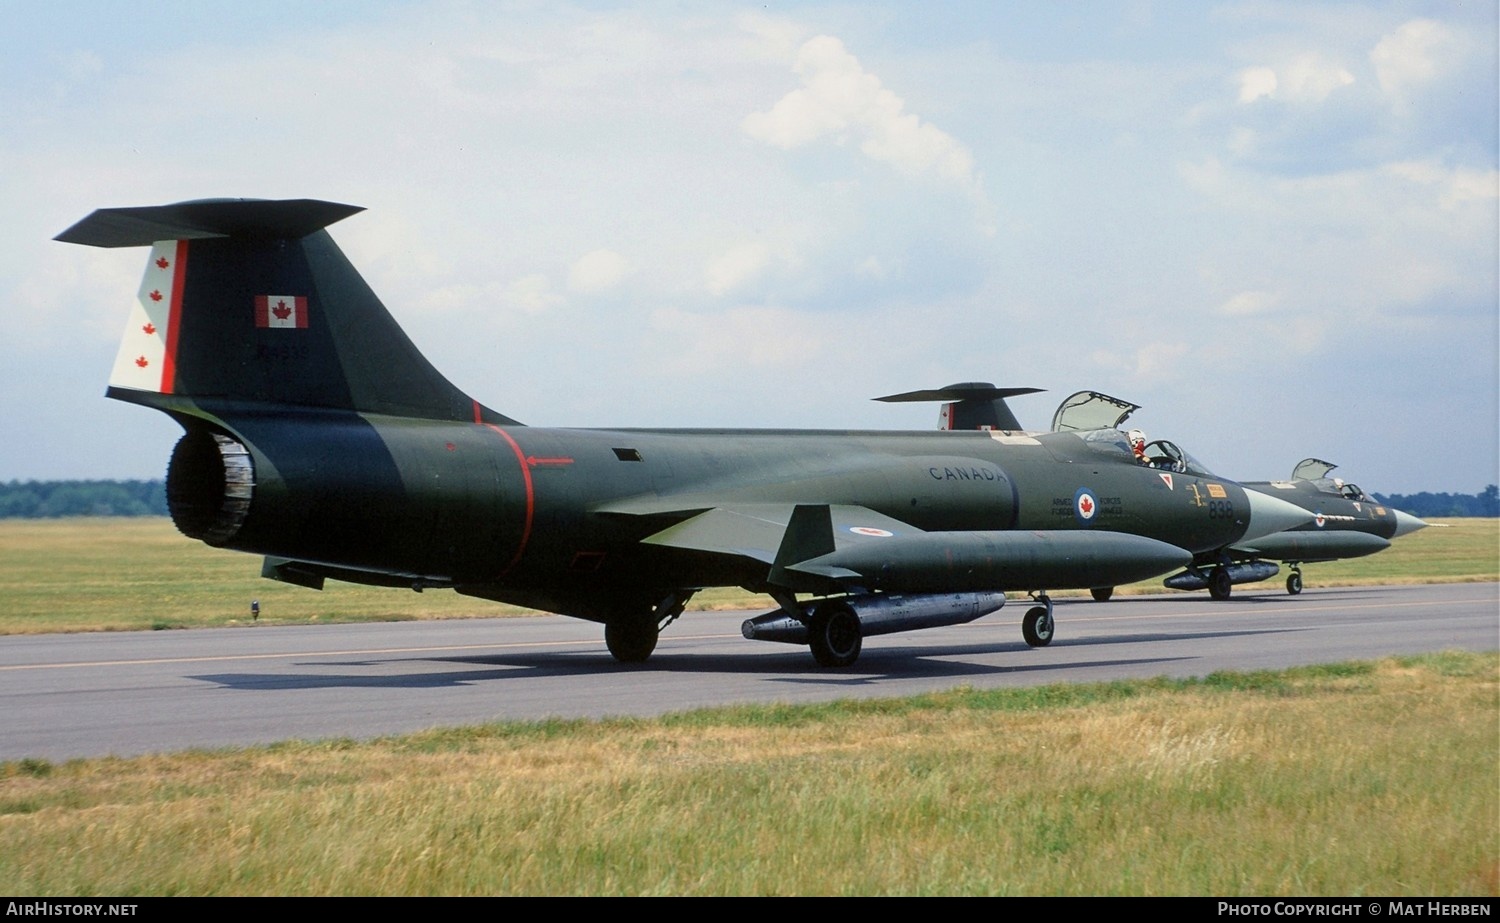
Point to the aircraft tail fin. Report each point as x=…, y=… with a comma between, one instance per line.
x=251, y=301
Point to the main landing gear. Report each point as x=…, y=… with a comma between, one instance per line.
x=631, y=633
x=1219, y=585
x=1037, y=625
x=834, y=634
x=1294, y=580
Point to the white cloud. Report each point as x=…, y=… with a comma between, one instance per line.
x=1257, y=83
x=532, y=294
x=597, y=271
x=1408, y=59
x=1305, y=79
x=735, y=267
x=1309, y=78
x=753, y=336
x=1248, y=303
x=1456, y=186
x=840, y=99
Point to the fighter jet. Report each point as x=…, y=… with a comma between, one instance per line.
x=317, y=435
x=1347, y=523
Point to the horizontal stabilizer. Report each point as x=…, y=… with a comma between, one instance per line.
x=205, y=218
x=970, y=405
x=963, y=391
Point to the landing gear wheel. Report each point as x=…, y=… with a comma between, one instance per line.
x=1102, y=594
x=1294, y=582
x=1037, y=626
x=630, y=640
x=835, y=636
x=1218, y=583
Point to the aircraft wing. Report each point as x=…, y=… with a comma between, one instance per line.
x=783, y=536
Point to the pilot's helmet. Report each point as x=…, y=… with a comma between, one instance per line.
x=1137, y=438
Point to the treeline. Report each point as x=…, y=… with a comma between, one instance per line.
x=1484, y=503
x=53, y=499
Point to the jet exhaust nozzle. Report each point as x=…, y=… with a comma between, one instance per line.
x=880, y=614
x=1248, y=572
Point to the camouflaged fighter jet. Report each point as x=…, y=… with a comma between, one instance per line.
x=316, y=435
x=1347, y=523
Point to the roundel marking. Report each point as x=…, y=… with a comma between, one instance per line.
x=867, y=530
x=1084, y=505
x=1318, y=519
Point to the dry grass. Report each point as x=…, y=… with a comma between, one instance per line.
x=1355, y=780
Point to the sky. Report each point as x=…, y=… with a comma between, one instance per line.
x=1273, y=225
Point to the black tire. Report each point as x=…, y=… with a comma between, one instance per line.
x=630, y=640
x=1294, y=583
x=1037, y=626
x=1102, y=594
x=835, y=635
x=1219, y=586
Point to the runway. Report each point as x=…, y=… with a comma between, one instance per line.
x=125, y=694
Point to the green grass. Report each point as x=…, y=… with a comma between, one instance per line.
x=1349, y=780
x=134, y=574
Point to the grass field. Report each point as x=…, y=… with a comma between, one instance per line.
x=1348, y=780
x=130, y=574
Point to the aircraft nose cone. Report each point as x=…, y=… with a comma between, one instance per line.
x=1269, y=515
x=1407, y=524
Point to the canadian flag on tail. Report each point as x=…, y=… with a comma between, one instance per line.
x=281, y=311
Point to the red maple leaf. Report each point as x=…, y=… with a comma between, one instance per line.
x=1086, y=505
x=155, y=295
x=149, y=329
x=161, y=262
x=281, y=311
x=142, y=362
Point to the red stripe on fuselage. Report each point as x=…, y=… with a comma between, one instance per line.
x=530, y=494
x=174, y=320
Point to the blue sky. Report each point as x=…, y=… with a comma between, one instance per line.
x=1273, y=225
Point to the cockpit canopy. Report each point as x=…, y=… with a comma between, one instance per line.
x=1311, y=469
x=1096, y=418
x=1316, y=470
x=1089, y=410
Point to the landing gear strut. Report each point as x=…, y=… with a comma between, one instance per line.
x=1037, y=625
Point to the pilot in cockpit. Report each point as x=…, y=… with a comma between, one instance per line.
x=1138, y=446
